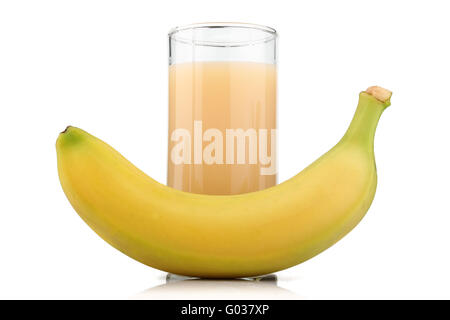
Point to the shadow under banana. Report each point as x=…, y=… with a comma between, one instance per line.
x=180, y=287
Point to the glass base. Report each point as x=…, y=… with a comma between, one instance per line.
x=269, y=278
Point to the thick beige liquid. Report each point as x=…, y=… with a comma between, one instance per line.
x=222, y=95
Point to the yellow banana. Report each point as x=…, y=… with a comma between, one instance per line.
x=224, y=236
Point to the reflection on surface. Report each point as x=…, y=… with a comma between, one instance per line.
x=179, y=287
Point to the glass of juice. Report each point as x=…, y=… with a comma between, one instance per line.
x=222, y=108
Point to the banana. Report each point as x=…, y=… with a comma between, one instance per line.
x=224, y=236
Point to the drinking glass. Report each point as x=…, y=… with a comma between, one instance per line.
x=222, y=108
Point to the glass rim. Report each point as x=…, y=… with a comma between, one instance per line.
x=271, y=34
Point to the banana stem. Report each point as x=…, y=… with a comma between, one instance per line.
x=380, y=94
x=371, y=105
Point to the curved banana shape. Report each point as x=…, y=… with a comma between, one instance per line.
x=224, y=236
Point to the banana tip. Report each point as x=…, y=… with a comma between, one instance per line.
x=70, y=136
x=65, y=130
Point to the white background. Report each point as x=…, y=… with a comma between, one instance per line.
x=102, y=66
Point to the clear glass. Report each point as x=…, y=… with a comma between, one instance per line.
x=222, y=108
